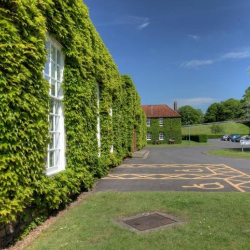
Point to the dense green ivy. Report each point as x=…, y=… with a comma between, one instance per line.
x=171, y=129
x=24, y=105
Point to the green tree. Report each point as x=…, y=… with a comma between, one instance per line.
x=230, y=109
x=189, y=115
x=245, y=105
x=212, y=113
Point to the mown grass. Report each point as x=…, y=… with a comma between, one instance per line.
x=185, y=143
x=213, y=221
x=228, y=128
x=231, y=152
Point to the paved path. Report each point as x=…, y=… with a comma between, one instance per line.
x=180, y=169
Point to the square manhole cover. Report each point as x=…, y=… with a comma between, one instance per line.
x=149, y=221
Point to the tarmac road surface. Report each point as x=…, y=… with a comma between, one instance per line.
x=180, y=169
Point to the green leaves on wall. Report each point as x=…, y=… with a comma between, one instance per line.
x=171, y=129
x=24, y=105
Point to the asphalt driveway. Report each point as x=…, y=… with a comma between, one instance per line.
x=180, y=169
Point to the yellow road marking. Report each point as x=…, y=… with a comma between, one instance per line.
x=206, y=186
x=190, y=170
x=233, y=177
x=236, y=171
x=235, y=186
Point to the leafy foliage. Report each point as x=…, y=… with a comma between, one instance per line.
x=216, y=129
x=212, y=113
x=228, y=110
x=189, y=115
x=24, y=105
x=245, y=102
x=199, y=138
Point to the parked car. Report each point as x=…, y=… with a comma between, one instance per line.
x=224, y=137
x=234, y=137
x=244, y=137
x=229, y=137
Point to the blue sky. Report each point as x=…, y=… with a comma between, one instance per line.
x=193, y=51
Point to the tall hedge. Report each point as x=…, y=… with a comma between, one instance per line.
x=171, y=129
x=24, y=105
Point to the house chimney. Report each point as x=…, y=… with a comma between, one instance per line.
x=175, y=106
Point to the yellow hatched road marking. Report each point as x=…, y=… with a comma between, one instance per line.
x=233, y=177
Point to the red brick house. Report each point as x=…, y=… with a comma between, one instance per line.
x=163, y=123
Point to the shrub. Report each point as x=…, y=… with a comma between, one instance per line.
x=213, y=136
x=197, y=138
x=216, y=129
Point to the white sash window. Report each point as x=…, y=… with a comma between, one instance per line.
x=148, y=122
x=53, y=73
x=161, y=136
x=149, y=136
x=161, y=121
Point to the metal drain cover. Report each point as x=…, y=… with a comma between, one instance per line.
x=149, y=221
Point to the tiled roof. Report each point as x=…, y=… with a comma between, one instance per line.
x=158, y=111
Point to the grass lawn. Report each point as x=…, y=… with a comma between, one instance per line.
x=229, y=128
x=213, y=221
x=183, y=144
x=231, y=152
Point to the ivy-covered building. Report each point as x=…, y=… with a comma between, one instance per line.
x=66, y=114
x=163, y=123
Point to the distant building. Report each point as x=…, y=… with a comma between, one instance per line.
x=163, y=123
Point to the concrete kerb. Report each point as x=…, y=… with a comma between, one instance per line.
x=143, y=153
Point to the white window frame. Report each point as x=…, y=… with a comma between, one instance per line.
x=148, y=122
x=161, y=136
x=98, y=133
x=111, y=114
x=149, y=136
x=53, y=73
x=111, y=111
x=161, y=121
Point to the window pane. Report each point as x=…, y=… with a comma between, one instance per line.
x=57, y=157
x=52, y=87
x=148, y=136
x=51, y=145
x=53, y=53
x=51, y=123
x=57, y=140
x=59, y=57
x=58, y=73
x=59, y=89
x=51, y=105
x=53, y=70
x=46, y=69
x=57, y=107
x=51, y=158
x=57, y=120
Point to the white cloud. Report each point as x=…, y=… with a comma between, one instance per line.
x=144, y=25
x=195, y=64
x=194, y=37
x=141, y=22
x=237, y=55
x=195, y=101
